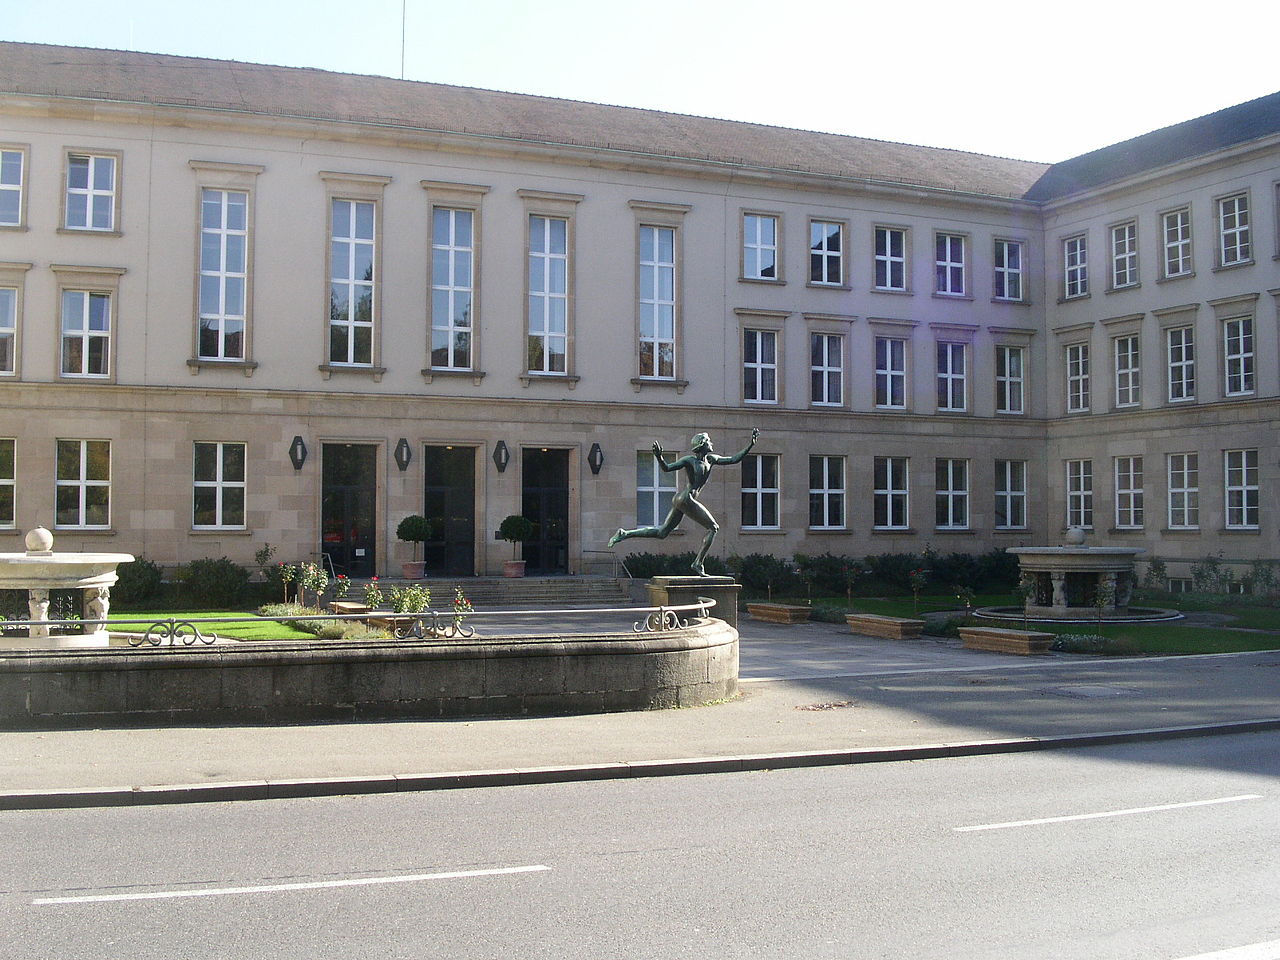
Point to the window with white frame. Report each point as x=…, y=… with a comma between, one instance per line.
x=760, y=366
x=1010, y=394
x=453, y=271
x=826, y=253
x=655, y=489
x=1233, y=230
x=1077, y=377
x=8, y=482
x=1011, y=494
x=548, y=294
x=891, y=493
x=219, y=485
x=12, y=169
x=759, y=247
x=1181, y=346
x=224, y=266
x=826, y=493
x=891, y=373
x=1124, y=255
x=826, y=369
x=352, y=281
x=86, y=333
x=1075, y=267
x=891, y=258
x=1129, y=512
x=1128, y=371
x=949, y=264
x=1080, y=494
x=760, y=492
x=1184, y=491
x=1241, y=467
x=90, y=202
x=1237, y=344
x=8, y=331
x=657, y=302
x=1008, y=273
x=1176, y=229
x=83, y=486
x=951, y=494
x=952, y=376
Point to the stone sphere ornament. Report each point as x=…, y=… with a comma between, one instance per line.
x=1075, y=536
x=39, y=540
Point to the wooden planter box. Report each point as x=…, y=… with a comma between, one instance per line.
x=875, y=625
x=348, y=606
x=779, y=612
x=1003, y=640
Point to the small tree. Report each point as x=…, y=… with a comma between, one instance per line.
x=1103, y=597
x=414, y=529
x=515, y=529
x=965, y=596
x=918, y=578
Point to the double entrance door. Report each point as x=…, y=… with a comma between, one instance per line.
x=348, y=507
x=545, y=500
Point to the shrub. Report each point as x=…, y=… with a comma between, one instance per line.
x=215, y=583
x=763, y=573
x=139, y=581
x=645, y=565
x=1092, y=643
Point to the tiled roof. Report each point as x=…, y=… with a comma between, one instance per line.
x=289, y=91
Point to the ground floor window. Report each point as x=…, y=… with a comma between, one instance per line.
x=83, y=488
x=826, y=493
x=891, y=493
x=655, y=489
x=1080, y=493
x=219, y=476
x=760, y=492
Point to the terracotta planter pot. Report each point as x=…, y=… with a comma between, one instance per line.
x=413, y=570
x=513, y=568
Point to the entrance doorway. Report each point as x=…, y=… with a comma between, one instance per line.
x=348, y=498
x=545, y=501
x=449, y=504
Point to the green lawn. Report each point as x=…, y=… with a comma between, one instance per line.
x=249, y=627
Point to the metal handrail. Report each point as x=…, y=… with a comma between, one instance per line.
x=617, y=562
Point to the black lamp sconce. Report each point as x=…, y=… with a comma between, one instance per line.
x=403, y=455
x=595, y=459
x=501, y=456
x=297, y=453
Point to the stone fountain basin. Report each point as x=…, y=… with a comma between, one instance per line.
x=59, y=571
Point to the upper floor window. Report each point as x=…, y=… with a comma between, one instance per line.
x=760, y=492
x=1128, y=373
x=1124, y=255
x=657, y=302
x=892, y=495
x=759, y=247
x=1009, y=379
x=1008, y=275
x=224, y=250
x=1184, y=491
x=1080, y=493
x=1011, y=494
x=1242, y=489
x=86, y=333
x=952, y=377
x=1077, y=377
x=826, y=253
x=826, y=369
x=548, y=294
x=92, y=192
x=1181, y=346
x=891, y=373
x=219, y=485
x=452, y=287
x=826, y=493
x=1075, y=267
x=1129, y=508
x=83, y=486
x=949, y=268
x=12, y=171
x=760, y=366
x=1176, y=227
x=951, y=494
x=352, y=281
x=891, y=258
x=1233, y=230
x=655, y=489
x=8, y=331
x=8, y=483
x=1237, y=341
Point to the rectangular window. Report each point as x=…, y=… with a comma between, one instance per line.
x=218, y=474
x=826, y=253
x=826, y=493
x=1176, y=226
x=1128, y=373
x=1237, y=343
x=1124, y=255
x=1075, y=266
x=1181, y=346
x=1009, y=379
x=949, y=264
x=1129, y=513
x=889, y=475
x=1011, y=494
x=83, y=487
x=1184, y=491
x=452, y=287
x=658, y=302
x=1181, y=584
x=1233, y=230
x=548, y=294
x=8, y=330
x=759, y=247
x=353, y=255
x=1242, y=489
x=760, y=493
x=86, y=333
x=224, y=243
x=952, y=377
x=826, y=369
x=891, y=258
x=1008, y=275
x=951, y=494
x=1077, y=377
x=655, y=489
x=760, y=366
x=91, y=193
x=891, y=373
x=1080, y=494
x=8, y=483
x=11, y=186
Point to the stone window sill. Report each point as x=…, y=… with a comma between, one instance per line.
x=220, y=532
x=1233, y=266
x=1241, y=531
x=1176, y=276
x=569, y=380
x=768, y=281
x=327, y=370
x=892, y=291
x=638, y=383
x=952, y=296
x=246, y=366
x=1127, y=286
x=954, y=531
x=893, y=531
x=86, y=232
x=430, y=373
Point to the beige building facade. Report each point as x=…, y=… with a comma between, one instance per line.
x=243, y=305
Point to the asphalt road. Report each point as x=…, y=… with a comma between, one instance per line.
x=1159, y=851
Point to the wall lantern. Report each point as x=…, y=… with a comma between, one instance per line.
x=297, y=453
x=403, y=455
x=595, y=459
x=501, y=456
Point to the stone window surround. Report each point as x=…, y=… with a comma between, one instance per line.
x=951, y=494
x=1133, y=496
x=965, y=265
x=1084, y=494
x=1081, y=269
x=893, y=329
x=832, y=324
x=1244, y=486
x=1019, y=337
x=656, y=213
x=1135, y=257
x=11, y=482
x=1219, y=235
x=905, y=230
x=24, y=187
x=555, y=206
x=1162, y=216
x=891, y=494
x=457, y=196
x=82, y=484
x=1175, y=318
x=1023, y=275
x=762, y=493
x=1076, y=334
x=104, y=280
x=1118, y=328
x=829, y=493
x=845, y=283
x=1187, y=464
x=767, y=320
x=1239, y=307
x=13, y=275
x=779, y=278
x=220, y=486
x=1011, y=494
x=962, y=333
x=117, y=205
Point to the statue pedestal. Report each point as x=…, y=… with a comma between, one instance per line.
x=677, y=591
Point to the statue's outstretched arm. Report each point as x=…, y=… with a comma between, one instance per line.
x=737, y=457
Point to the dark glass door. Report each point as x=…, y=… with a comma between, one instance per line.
x=348, y=495
x=545, y=479
x=449, y=504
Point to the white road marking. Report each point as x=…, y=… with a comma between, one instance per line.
x=277, y=887
x=1254, y=951
x=1109, y=813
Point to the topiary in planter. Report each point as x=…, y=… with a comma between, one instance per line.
x=415, y=529
x=516, y=529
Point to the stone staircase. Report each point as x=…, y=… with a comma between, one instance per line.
x=498, y=593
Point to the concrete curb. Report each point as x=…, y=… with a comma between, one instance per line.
x=468, y=779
